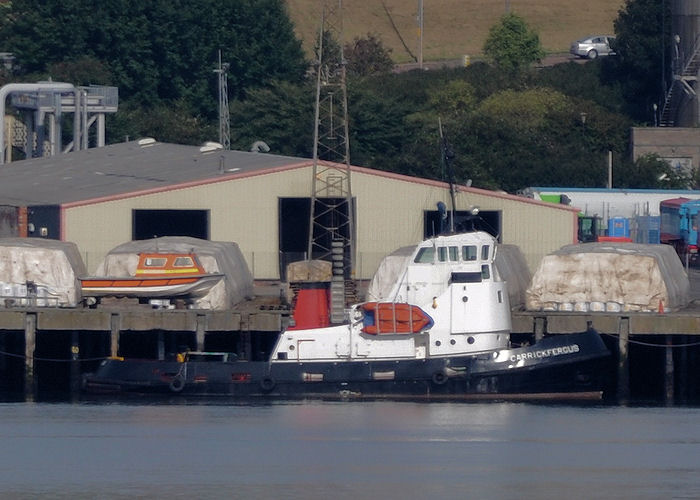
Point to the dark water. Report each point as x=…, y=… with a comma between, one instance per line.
x=357, y=450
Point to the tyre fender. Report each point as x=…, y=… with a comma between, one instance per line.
x=177, y=384
x=267, y=384
x=439, y=377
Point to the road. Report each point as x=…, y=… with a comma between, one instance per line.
x=549, y=60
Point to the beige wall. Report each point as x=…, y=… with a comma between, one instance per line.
x=390, y=215
x=675, y=144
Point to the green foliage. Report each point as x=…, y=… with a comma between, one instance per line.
x=649, y=171
x=281, y=115
x=85, y=70
x=173, y=122
x=641, y=47
x=511, y=44
x=160, y=49
x=367, y=56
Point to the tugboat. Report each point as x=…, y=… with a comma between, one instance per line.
x=442, y=331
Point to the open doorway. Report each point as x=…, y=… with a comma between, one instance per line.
x=148, y=224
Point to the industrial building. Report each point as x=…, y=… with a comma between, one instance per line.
x=99, y=198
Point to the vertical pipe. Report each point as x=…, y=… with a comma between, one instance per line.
x=29, y=346
x=100, y=130
x=610, y=166
x=75, y=364
x=669, y=372
x=623, y=374
x=114, y=325
x=84, y=118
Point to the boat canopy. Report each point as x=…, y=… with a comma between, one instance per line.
x=215, y=257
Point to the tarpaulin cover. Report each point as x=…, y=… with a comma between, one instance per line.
x=512, y=267
x=609, y=277
x=309, y=270
x=51, y=267
x=215, y=257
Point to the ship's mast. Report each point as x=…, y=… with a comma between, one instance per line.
x=331, y=221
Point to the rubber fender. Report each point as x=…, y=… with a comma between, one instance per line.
x=177, y=384
x=267, y=384
x=439, y=378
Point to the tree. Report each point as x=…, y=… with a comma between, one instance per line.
x=367, y=56
x=649, y=172
x=641, y=47
x=281, y=115
x=160, y=49
x=511, y=44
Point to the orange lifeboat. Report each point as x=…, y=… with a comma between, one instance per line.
x=157, y=275
x=382, y=318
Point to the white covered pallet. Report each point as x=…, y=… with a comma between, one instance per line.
x=612, y=277
x=39, y=272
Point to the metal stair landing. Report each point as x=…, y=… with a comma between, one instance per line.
x=682, y=88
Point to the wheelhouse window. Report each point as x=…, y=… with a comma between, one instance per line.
x=425, y=255
x=183, y=262
x=469, y=252
x=485, y=252
x=154, y=262
x=485, y=272
x=442, y=254
x=454, y=254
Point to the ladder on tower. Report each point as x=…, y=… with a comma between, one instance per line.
x=682, y=87
x=331, y=220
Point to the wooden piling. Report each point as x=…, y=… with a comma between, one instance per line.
x=161, y=346
x=540, y=328
x=115, y=327
x=623, y=371
x=75, y=364
x=200, y=331
x=29, y=346
x=669, y=372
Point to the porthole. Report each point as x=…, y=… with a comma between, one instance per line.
x=438, y=343
x=470, y=340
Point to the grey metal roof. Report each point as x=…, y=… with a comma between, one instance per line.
x=124, y=168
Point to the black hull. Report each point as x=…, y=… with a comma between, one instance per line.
x=558, y=367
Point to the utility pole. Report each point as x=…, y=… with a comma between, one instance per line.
x=224, y=125
x=420, y=34
x=332, y=224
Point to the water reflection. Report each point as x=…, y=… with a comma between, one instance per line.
x=348, y=450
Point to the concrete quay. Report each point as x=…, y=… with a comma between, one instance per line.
x=654, y=356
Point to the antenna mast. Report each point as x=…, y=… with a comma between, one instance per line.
x=224, y=126
x=331, y=225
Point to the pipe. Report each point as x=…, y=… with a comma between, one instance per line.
x=26, y=87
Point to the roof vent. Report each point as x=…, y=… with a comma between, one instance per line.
x=208, y=147
x=146, y=141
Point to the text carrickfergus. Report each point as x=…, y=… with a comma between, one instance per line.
x=546, y=353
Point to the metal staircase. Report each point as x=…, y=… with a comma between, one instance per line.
x=682, y=87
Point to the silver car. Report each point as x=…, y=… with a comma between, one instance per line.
x=594, y=46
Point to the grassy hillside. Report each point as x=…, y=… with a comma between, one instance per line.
x=452, y=28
